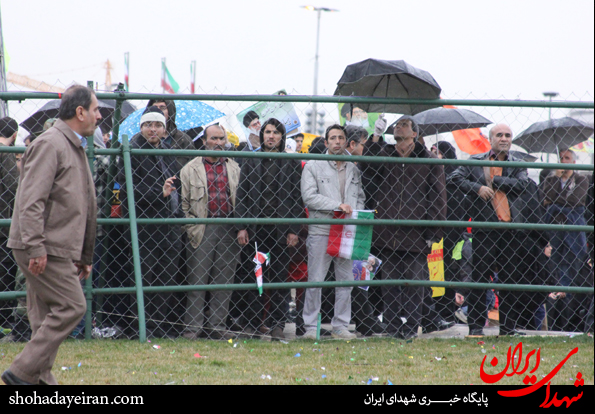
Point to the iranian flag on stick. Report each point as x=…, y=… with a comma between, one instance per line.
x=351, y=241
x=260, y=259
x=168, y=82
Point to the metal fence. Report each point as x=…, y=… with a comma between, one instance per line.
x=172, y=266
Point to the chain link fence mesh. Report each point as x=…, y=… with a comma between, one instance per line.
x=198, y=254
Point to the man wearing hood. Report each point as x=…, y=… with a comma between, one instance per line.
x=405, y=192
x=269, y=188
x=158, y=244
x=175, y=139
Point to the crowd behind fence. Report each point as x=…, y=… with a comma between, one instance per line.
x=181, y=262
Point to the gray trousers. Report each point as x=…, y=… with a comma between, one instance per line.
x=213, y=262
x=318, y=265
x=55, y=305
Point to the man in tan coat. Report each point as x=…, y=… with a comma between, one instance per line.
x=53, y=233
x=209, y=186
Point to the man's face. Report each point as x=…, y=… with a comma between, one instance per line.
x=357, y=149
x=163, y=108
x=90, y=118
x=255, y=126
x=298, y=143
x=566, y=157
x=501, y=138
x=152, y=132
x=215, y=139
x=404, y=130
x=335, y=142
x=272, y=137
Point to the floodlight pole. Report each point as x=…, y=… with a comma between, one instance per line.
x=318, y=11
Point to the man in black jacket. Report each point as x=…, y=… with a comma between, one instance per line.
x=158, y=244
x=496, y=195
x=269, y=188
x=404, y=192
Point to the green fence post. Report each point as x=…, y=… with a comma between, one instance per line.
x=89, y=281
x=142, y=329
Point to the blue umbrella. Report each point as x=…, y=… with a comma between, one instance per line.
x=189, y=114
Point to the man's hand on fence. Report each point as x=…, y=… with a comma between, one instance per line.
x=486, y=193
x=37, y=265
x=243, y=238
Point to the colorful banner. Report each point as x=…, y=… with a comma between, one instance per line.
x=283, y=111
x=366, y=269
x=351, y=241
x=586, y=146
x=357, y=117
x=436, y=266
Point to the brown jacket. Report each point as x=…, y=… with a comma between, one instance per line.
x=55, y=208
x=405, y=192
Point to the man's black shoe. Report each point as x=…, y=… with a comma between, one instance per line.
x=514, y=332
x=476, y=332
x=440, y=325
x=10, y=379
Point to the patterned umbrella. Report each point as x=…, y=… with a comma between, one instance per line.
x=189, y=114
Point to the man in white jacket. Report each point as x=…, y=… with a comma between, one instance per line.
x=328, y=186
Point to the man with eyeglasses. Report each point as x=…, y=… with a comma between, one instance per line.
x=496, y=195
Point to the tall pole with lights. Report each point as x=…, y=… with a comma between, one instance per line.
x=318, y=11
x=550, y=95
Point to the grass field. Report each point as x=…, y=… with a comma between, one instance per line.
x=301, y=362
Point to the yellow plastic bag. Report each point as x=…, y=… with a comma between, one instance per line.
x=436, y=267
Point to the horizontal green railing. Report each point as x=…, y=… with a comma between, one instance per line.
x=125, y=152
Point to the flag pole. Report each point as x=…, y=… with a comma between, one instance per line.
x=162, y=75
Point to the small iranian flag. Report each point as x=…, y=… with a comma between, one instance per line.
x=168, y=82
x=351, y=241
x=260, y=259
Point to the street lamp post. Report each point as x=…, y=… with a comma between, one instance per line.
x=550, y=95
x=318, y=11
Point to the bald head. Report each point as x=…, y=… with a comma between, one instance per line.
x=501, y=138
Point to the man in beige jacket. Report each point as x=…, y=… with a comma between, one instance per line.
x=53, y=234
x=209, y=186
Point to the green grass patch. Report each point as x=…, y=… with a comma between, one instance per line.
x=302, y=362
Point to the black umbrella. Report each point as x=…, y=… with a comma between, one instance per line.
x=107, y=123
x=439, y=120
x=388, y=79
x=34, y=124
x=553, y=135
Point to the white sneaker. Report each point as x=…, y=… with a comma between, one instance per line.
x=310, y=334
x=343, y=333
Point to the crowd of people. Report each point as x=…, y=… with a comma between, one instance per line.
x=274, y=189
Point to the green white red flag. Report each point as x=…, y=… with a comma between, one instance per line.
x=351, y=241
x=259, y=260
x=168, y=83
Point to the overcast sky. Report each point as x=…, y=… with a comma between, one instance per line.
x=496, y=49
x=504, y=49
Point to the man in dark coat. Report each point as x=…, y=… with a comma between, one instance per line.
x=159, y=245
x=496, y=195
x=175, y=138
x=405, y=192
x=269, y=188
x=9, y=178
